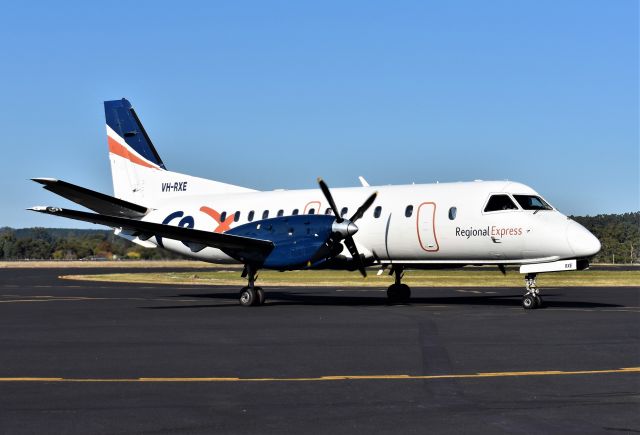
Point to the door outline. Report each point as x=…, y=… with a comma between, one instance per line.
x=306, y=207
x=433, y=222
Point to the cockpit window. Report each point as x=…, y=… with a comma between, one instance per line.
x=531, y=202
x=500, y=202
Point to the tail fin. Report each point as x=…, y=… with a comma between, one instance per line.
x=127, y=137
x=139, y=174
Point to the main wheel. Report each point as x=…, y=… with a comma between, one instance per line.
x=261, y=296
x=248, y=296
x=528, y=302
x=393, y=293
x=405, y=292
x=398, y=293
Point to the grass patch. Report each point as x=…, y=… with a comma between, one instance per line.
x=416, y=278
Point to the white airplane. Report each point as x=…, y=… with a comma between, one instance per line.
x=415, y=226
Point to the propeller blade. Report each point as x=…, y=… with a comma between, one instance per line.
x=351, y=246
x=360, y=212
x=327, y=195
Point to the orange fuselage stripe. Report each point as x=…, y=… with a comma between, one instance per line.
x=222, y=225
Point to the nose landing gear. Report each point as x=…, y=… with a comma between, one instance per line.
x=398, y=292
x=531, y=299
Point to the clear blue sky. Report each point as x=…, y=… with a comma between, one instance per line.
x=272, y=94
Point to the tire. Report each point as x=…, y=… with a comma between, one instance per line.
x=405, y=293
x=261, y=296
x=528, y=302
x=248, y=297
x=393, y=293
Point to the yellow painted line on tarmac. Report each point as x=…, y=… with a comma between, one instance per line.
x=332, y=378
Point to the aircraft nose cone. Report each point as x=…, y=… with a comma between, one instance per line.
x=582, y=242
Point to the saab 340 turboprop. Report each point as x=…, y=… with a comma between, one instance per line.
x=398, y=227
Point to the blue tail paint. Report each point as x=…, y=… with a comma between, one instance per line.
x=122, y=119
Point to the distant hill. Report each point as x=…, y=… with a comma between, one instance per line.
x=618, y=233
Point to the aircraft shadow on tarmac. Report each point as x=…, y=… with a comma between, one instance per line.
x=292, y=298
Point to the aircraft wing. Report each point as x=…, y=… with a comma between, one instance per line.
x=96, y=201
x=239, y=247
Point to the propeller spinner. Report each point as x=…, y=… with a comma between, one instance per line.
x=345, y=228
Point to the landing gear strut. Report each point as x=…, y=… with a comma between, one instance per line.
x=251, y=295
x=531, y=298
x=398, y=292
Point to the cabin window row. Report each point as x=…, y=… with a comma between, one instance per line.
x=265, y=214
x=377, y=212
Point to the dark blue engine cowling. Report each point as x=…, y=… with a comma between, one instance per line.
x=296, y=239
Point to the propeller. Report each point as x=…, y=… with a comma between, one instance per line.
x=346, y=228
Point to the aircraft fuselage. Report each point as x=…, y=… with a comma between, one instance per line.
x=410, y=224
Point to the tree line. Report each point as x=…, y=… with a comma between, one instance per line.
x=618, y=233
x=72, y=244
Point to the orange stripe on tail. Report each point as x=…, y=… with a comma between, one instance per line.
x=118, y=149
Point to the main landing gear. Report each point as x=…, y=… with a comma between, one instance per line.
x=531, y=298
x=398, y=292
x=251, y=295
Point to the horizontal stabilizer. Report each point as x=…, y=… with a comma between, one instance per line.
x=239, y=247
x=96, y=201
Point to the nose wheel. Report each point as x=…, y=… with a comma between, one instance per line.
x=251, y=296
x=531, y=299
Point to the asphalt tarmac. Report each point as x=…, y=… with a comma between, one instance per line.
x=87, y=357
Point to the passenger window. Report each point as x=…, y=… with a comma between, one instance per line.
x=236, y=216
x=408, y=211
x=312, y=211
x=500, y=202
x=453, y=211
x=265, y=214
x=344, y=211
x=250, y=217
x=328, y=211
x=294, y=212
x=223, y=216
x=280, y=213
x=531, y=202
x=377, y=212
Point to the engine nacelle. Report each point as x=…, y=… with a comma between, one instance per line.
x=297, y=239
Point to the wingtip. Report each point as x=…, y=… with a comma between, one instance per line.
x=44, y=180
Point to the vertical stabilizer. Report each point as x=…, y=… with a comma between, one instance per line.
x=139, y=174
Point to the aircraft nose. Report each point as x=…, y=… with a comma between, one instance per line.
x=582, y=242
